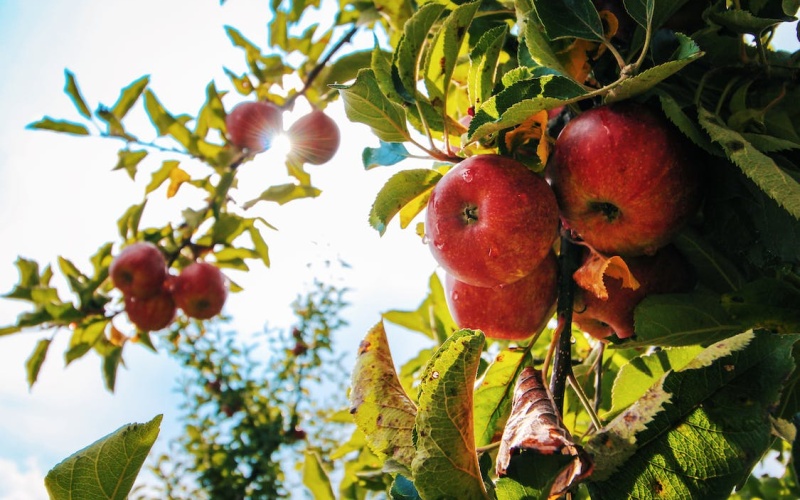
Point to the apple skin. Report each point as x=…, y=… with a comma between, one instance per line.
x=490, y=221
x=139, y=270
x=199, y=290
x=624, y=178
x=665, y=272
x=151, y=313
x=252, y=125
x=315, y=138
x=512, y=312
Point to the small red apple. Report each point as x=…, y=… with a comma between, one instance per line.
x=314, y=138
x=625, y=179
x=151, y=313
x=490, y=221
x=253, y=125
x=200, y=290
x=665, y=272
x=515, y=311
x=139, y=270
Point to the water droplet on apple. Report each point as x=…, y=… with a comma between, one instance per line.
x=467, y=175
x=439, y=244
x=455, y=296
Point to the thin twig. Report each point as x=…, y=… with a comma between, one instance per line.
x=562, y=361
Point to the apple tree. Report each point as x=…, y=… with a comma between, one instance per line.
x=612, y=197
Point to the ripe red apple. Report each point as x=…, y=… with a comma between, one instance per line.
x=200, y=290
x=515, y=311
x=314, y=138
x=665, y=272
x=139, y=270
x=253, y=125
x=151, y=313
x=625, y=179
x=490, y=221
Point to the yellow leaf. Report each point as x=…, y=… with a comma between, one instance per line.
x=177, y=176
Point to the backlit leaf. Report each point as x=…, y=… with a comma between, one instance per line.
x=483, y=65
x=74, y=93
x=284, y=193
x=364, y=102
x=401, y=189
x=443, y=54
x=128, y=160
x=446, y=464
x=128, y=97
x=494, y=395
x=67, y=127
x=381, y=408
x=405, y=65
x=161, y=175
x=315, y=478
x=177, y=176
x=34, y=362
x=105, y=469
x=431, y=318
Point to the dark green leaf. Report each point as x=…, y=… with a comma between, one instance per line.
x=106, y=469
x=446, y=464
x=641, y=11
x=403, y=489
x=400, y=190
x=760, y=168
x=766, y=303
x=74, y=93
x=67, y=127
x=742, y=21
x=28, y=279
x=34, y=362
x=570, y=19
x=713, y=269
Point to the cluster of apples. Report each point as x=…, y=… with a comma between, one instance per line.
x=622, y=182
x=253, y=125
x=153, y=295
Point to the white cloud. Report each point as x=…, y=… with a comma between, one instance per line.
x=21, y=481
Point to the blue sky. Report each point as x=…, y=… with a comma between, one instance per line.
x=58, y=196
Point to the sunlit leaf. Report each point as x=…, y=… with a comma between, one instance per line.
x=364, y=102
x=105, y=469
x=405, y=65
x=315, y=478
x=161, y=175
x=284, y=193
x=570, y=19
x=36, y=359
x=402, y=188
x=446, y=464
x=431, y=318
x=74, y=93
x=177, y=176
x=48, y=123
x=494, y=395
x=128, y=160
x=128, y=97
x=483, y=65
x=378, y=403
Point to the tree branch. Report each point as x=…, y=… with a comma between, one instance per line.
x=562, y=362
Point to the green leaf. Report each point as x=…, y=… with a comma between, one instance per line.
x=34, y=362
x=364, y=102
x=111, y=361
x=389, y=153
x=441, y=57
x=644, y=81
x=128, y=97
x=699, y=430
x=446, y=464
x=405, y=65
x=74, y=93
x=766, y=303
x=284, y=193
x=673, y=320
x=431, y=318
x=315, y=478
x=494, y=395
x=84, y=337
x=403, y=489
x=400, y=190
x=641, y=11
x=539, y=47
x=259, y=245
x=159, y=116
x=713, y=269
x=570, y=19
x=635, y=377
x=28, y=279
x=517, y=102
x=67, y=127
x=483, y=65
x=742, y=21
x=106, y=468
x=161, y=175
x=760, y=168
x=128, y=224
x=212, y=114
x=689, y=126
x=128, y=160
x=380, y=407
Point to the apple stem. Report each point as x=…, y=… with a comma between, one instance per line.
x=562, y=360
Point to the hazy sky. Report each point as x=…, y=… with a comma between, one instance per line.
x=58, y=196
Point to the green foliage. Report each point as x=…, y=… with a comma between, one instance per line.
x=106, y=468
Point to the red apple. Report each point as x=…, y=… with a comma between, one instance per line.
x=625, y=179
x=490, y=221
x=515, y=311
x=139, y=270
x=253, y=125
x=200, y=290
x=314, y=138
x=151, y=313
x=665, y=272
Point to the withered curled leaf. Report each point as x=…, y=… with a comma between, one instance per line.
x=534, y=427
x=596, y=266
